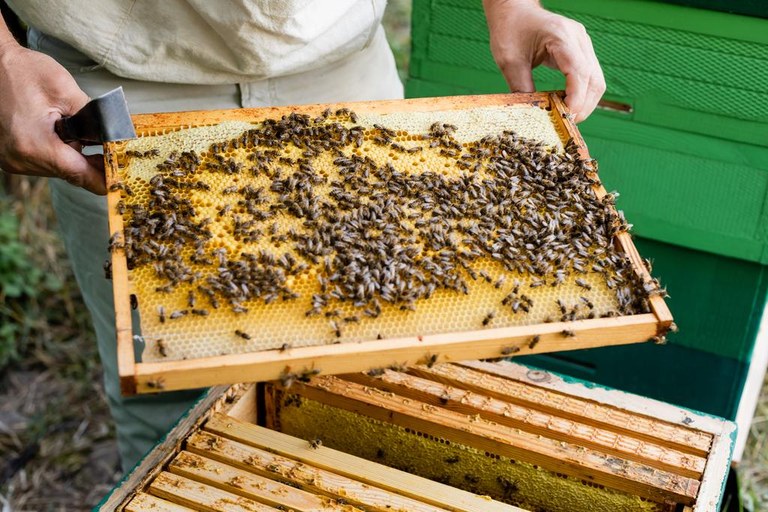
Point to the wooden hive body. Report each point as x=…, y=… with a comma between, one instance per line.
x=471, y=436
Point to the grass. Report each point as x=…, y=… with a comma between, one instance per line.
x=57, y=448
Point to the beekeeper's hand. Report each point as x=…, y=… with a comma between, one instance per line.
x=524, y=35
x=35, y=91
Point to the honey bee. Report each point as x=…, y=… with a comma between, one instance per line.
x=472, y=479
x=158, y=383
x=336, y=329
x=115, y=241
x=287, y=378
x=430, y=359
x=648, y=264
x=160, y=347
x=307, y=374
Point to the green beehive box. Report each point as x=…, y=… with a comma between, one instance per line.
x=687, y=145
x=748, y=7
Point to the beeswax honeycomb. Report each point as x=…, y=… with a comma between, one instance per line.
x=228, y=183
x=512, y=481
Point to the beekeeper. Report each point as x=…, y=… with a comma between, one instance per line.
x=201, y=54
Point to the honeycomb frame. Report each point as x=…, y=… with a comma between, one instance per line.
x=143, y=377
x=247, y=415
x=382, y=412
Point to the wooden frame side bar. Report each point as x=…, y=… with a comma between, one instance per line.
x=684, y=418
x=126, y=364
x=264, y=466
x=555, y=456
x=349, y=466
x=528, y=393
x=581, y=433
x=214, y=400
x=143, y=502
x=564, y=118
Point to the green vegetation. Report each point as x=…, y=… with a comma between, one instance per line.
x=22, y=283
x=57, y=447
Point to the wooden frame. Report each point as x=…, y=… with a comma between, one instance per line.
x=142, y=377
x=582, y=416
x=723, y=432
x=233, y=408
x=221, y=428
x=221, y=398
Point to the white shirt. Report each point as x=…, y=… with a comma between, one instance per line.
x=208, y=41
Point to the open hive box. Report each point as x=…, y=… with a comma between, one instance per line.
x=469, y=436
x=287, y=242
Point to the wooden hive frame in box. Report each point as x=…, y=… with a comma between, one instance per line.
x=579, y=447
x=144, y=377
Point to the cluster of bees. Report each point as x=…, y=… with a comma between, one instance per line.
x=377, y=234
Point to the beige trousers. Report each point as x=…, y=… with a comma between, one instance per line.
x=367, y=75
